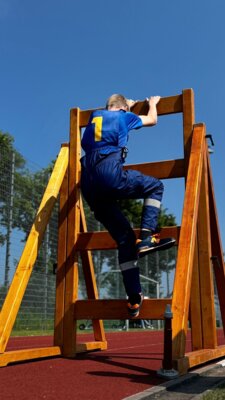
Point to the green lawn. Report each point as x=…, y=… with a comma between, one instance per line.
x=216, y=394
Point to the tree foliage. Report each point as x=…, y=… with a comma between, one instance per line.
x=9, y=159
x=27, y=194
x=27, y=189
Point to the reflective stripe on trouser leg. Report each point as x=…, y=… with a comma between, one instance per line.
x=131, y=277
x=150, y=214
x=128, y=265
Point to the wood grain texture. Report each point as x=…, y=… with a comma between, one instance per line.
x=117, y=309
x=28, y=354
x=90, y=281
x=73, y=228
x=101, y=240
x=61, y=263
x=169, y=169
x=167, y=105
x=205, y=268
x=185, y=256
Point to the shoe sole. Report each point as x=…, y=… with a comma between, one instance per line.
x=138, y=312
x=143, y=252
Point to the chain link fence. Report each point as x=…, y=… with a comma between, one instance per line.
x=22, y=185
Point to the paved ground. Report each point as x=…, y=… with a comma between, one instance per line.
x=189, y=387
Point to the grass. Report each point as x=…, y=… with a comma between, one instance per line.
x=216, y=394
x=34, y=332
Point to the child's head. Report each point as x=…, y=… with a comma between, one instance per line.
x=117, y=101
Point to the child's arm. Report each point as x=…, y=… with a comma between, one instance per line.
x=151, y=118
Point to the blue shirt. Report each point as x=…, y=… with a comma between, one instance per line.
x=108, y=130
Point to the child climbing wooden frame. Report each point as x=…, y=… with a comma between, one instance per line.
x=192, y=287
x=198, y=241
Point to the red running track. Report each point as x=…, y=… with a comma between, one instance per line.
x=128, y=367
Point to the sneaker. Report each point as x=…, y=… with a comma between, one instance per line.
x=153, y=243
x=134, y=304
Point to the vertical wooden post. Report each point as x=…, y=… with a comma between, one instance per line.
x=195, y=306
x=71, y=282
x=188, y=123
x=90, y=281
x=204, y=255
x=185, y=257
x=61, y=263
x=202, y=300
x=217, y=251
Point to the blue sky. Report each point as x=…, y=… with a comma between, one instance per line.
x=56, y=55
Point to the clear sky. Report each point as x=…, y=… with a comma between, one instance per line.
x=60, y=54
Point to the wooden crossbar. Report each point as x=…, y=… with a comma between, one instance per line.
x=117, y=309
x=101, y=240
x=167, y=105
x=168, y=169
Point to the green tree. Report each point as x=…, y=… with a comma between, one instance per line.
x=28, y=189
x=11, y=162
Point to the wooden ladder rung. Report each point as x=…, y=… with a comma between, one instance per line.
x=103, y=241
x=117, y=309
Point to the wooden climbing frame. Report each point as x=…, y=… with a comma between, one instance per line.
x=198, y=240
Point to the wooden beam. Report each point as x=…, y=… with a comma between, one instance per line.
x=90, y=281
x=90, y=346
x=217, y=250
x=188, y=123
x=205, y=267
x=15, y=356
x=25, y=267
x=117, y=309
x=73, y=207
x=205, y=355
x=195, y=306
x=167, y=105
x=28, y=354
x=102, y=240
x=162, y=169
x=61, y=263
x=185, y=256
x=197, y=357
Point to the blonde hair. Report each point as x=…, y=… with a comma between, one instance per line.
x=116, y=100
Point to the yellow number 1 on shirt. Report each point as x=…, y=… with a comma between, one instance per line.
x=98, y=128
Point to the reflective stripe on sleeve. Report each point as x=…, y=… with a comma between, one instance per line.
x=152, y=202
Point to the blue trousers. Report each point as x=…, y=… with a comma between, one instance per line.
x=103, y=182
